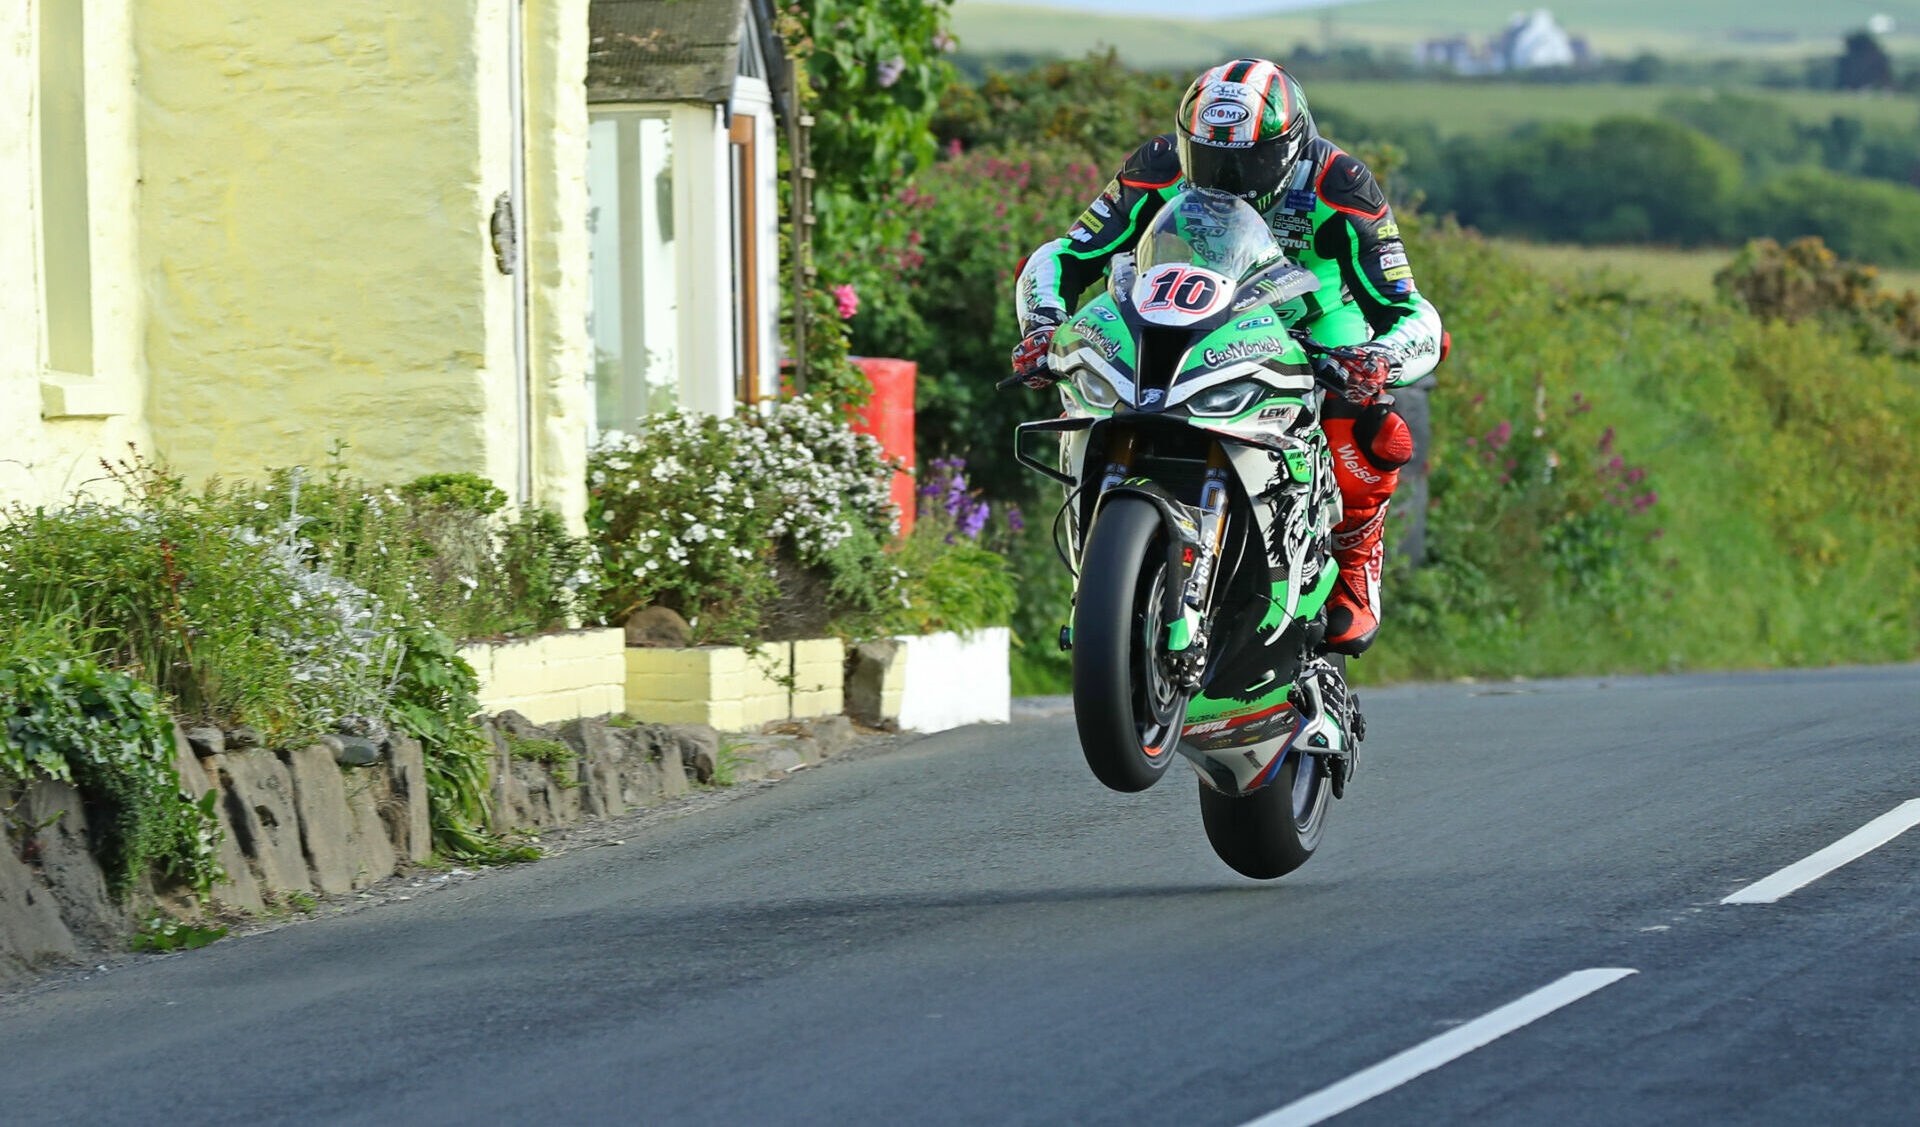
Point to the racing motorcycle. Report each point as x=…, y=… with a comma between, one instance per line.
x=1200, y=499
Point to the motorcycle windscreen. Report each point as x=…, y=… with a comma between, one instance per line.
x=1214, y=231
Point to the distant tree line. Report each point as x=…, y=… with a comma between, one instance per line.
x=1862, y=63
x=1715, y=169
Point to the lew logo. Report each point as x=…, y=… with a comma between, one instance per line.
x=1224, y=113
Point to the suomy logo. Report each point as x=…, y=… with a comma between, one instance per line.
x=1224, y=113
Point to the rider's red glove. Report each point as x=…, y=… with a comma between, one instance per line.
x=1030, y=358
x=1368, y=370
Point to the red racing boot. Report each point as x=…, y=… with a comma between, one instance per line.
x=1370, y=444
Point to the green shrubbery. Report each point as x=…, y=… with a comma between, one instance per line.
x=1619, y=482
x=1677, y=485
x=64, y=716
x=301, y=604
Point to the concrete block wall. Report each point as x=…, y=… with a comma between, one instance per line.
x=553, y=677
x=819, y=677
x=733, y=688
x=955, y=679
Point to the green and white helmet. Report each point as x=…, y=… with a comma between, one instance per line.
x=1242, y=126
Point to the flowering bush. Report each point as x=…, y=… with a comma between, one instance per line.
x=955, y=565
x=708, y=515
x=229, y=625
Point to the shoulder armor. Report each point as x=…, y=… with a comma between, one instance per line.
x=1347, y=186
x=1153, y=165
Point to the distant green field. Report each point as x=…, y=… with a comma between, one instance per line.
x=1686, y=272
x=1775, y=28
x=1482, y=107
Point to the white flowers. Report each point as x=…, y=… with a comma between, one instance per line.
x=713, y=497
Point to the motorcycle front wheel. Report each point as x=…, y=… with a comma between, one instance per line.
x=1128, y=709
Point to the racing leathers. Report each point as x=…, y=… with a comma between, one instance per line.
x=1332, y=217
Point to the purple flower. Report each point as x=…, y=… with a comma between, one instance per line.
x=1016, y=521
x=1499, y=436
x=974, y=520
x=1606, y=441
x=890, y=71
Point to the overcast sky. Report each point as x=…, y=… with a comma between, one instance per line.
x=1180, y=7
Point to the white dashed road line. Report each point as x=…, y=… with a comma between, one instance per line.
x=1850, y=848
x=1434, y=1052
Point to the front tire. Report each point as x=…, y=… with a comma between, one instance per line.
x=1128, y=711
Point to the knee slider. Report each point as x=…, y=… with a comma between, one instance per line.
x=1383, y=437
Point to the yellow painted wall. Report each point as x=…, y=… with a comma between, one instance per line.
x=318, y=185
x=290, y=210
x=557, y=261
x=55, y=426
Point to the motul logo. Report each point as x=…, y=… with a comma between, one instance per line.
x=1209, y=727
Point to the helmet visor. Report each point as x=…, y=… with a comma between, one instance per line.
x=1251, y=172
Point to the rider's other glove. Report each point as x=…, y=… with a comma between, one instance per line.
x=1366, y=370
x=1030, y=361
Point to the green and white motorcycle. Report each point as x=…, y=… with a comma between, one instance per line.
x=1200, y=502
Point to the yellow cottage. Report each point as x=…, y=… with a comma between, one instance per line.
x=240, y=232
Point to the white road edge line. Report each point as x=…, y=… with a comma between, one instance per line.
x=1850, y=848
x=1434, y=1052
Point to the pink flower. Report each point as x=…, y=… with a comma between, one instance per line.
x=847, y=300
x=953, y=147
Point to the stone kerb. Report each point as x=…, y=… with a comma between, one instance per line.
x=552, y=677
x=734, y=688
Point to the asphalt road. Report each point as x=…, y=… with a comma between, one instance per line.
x=969, y=930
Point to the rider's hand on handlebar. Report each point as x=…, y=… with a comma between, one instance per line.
x=1030, y=362
x=1365, y=370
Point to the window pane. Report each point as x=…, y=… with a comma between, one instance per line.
x=64, y=225
x=634, y=320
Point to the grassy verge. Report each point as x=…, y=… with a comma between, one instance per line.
x=1667, y=270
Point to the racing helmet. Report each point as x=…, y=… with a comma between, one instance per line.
x=1242, y=127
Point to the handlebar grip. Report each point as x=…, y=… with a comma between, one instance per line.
x=1011, y=381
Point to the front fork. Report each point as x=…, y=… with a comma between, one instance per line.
x=1186, y=635
x=1187, y=638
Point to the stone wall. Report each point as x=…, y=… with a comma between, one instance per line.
x=323, y=820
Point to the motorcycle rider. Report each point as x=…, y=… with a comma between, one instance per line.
x=1244, y=128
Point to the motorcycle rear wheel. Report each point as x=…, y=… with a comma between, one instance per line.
x=1274, y=830
x=1128, y=711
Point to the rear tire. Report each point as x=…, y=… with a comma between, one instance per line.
x=1128, y=714
x=1274, y=830
x=1259, y=836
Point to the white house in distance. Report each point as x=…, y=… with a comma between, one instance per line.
x=683, y=182
x=1532, y=41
